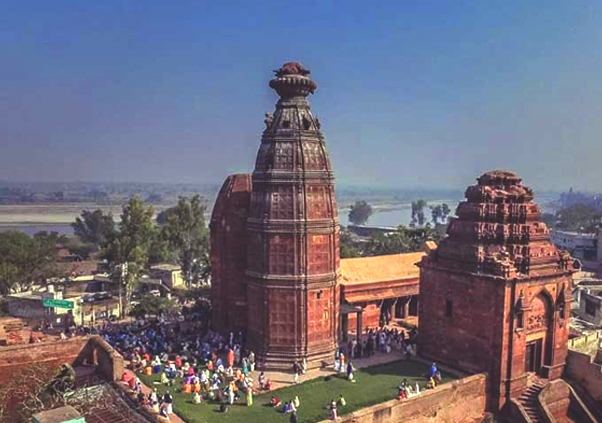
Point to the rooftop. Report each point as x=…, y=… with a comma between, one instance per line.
x=573, y=233
x=169, y=267
x=380, y=268
x=58, y=415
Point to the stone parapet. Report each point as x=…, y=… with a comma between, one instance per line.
x=460, y=401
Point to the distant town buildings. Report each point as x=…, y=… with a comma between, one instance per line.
x=583, y=246
x=169, y=274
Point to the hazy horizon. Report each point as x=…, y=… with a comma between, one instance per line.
x=424, y=95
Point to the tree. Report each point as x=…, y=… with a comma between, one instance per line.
x=579, y=217
x=418, y=215
x=393, y=243
x=446, y=211
x=549, y=219
x=360, y=212
x=404, y=240
x=94, y=227
x=436, y=213
x=150, y=304
x=186, y=234
x=348, y=248
x=25, y=260
x=439, y=213
x=127, y=251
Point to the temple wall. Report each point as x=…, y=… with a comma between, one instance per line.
x=97, y=351
x=581, y=369
x=370, y=318
x=561, y=404
x=48, y=354
x=461, y=401
x=464, y=340
x=555, y=399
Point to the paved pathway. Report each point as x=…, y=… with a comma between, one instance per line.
x=287, y=378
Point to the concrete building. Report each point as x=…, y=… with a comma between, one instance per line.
x=582, y=246
x=590, y=306
x=74, y=308
x=30, y=305
x=170, y=275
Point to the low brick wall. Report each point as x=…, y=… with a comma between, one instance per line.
x=582, y=369
x=51, y=354
x=559, y=401
x=76, y=351
x=460, y=401
x=98, y=352
x=555, y=400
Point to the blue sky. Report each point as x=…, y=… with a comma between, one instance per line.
x=411, y=93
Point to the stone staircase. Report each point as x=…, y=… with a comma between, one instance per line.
x=529, y=399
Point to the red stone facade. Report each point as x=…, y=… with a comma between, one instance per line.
x=275, y=247
x=495, y=295
x=229, y=253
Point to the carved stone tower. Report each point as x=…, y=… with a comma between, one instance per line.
x=495, y=296
x=292, y=233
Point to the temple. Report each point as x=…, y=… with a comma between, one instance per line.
x=495, y=294
x=275, y=237
x=276, y=272
x=492, y=298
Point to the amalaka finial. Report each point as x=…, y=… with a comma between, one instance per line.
x=292, y=81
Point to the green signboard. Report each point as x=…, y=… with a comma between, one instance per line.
x=49, y=302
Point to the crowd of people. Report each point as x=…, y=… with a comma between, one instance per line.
x=188, y=357
x=383, y=339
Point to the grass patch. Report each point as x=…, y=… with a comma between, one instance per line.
x=373, y=385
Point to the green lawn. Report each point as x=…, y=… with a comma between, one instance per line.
x=373, y=385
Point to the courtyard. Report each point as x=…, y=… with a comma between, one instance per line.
x=373, y=385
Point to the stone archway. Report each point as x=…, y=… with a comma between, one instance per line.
x=539, y=341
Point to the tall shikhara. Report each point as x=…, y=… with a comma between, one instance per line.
x=292, y=233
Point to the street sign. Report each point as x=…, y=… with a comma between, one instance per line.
x=50, y=302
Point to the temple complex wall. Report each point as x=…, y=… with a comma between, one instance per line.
x=47, y=354
x=560, y=404
x=51, y=355
x=460, y=401
x=370, y=317
x=98, y=352
x=581, y=368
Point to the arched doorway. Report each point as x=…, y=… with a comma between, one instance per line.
x=538, y=348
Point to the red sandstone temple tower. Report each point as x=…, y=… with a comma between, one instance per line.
x=293, y=233
x=495, y=295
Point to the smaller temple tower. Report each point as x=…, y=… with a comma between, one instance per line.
x=495, y=295
x=229, y=254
